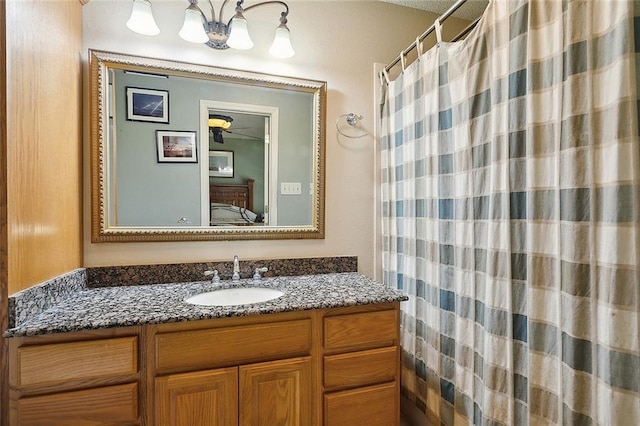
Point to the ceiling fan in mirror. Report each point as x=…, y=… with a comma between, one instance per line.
x=219, y=123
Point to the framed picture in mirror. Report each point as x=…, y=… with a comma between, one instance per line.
x=147, y=105
x=176, y=146
x=221, y=164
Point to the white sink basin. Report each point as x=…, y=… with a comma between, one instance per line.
x=235, y=296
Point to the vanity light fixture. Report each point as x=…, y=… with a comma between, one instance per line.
x=215, y=33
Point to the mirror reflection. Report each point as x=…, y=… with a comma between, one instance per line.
x=186, y=151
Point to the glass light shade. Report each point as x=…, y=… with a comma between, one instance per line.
x=239, y=38
x=281, y=47
x=219, y=122
x=193, y=28
x=141, y=20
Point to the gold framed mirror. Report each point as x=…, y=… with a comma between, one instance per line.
x=185, y=152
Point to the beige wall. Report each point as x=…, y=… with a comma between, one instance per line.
x=337, y=42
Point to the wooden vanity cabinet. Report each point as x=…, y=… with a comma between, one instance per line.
x=330, y=367
x=75, y=379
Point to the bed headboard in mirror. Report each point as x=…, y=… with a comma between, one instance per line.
x=166, y=134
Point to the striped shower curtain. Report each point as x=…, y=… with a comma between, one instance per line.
x=511, y=204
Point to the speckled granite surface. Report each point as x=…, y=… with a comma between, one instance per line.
x=161, y=303
x=37, y=299
x=188, y=272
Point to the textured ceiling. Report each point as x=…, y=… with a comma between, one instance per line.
x=471, y=10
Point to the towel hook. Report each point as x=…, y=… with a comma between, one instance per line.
x=352, y=120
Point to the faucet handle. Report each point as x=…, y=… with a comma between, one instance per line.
x=215, y=277
x=256, y=274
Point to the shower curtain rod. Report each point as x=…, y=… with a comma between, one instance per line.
x=467, y=30
x=429, y=30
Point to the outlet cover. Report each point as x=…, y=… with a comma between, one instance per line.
x=290, y=188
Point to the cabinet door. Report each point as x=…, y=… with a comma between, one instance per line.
x=276, y=393
x=204, y=398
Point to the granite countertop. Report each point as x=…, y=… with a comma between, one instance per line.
x=107, y=307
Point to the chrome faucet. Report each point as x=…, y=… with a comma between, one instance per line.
x=256, y=273
x=215, y=278
x=236, y=269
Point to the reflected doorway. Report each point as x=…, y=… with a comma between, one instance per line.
x=239, y=164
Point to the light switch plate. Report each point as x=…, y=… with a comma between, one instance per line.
x=290, y=188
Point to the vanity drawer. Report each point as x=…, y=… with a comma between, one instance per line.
x=361, y=331
x=101, y=406
x=360, y=368
x=371, y=406
x=44, y=365
x=197, y=349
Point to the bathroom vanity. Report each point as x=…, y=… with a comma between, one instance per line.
x=325, y=353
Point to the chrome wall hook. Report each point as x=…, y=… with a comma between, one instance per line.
x=352, y=120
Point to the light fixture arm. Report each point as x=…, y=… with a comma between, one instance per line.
x=239, y=10
x=217, y=34
x=213, y=12
x=221, y=12
x=283, y=15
